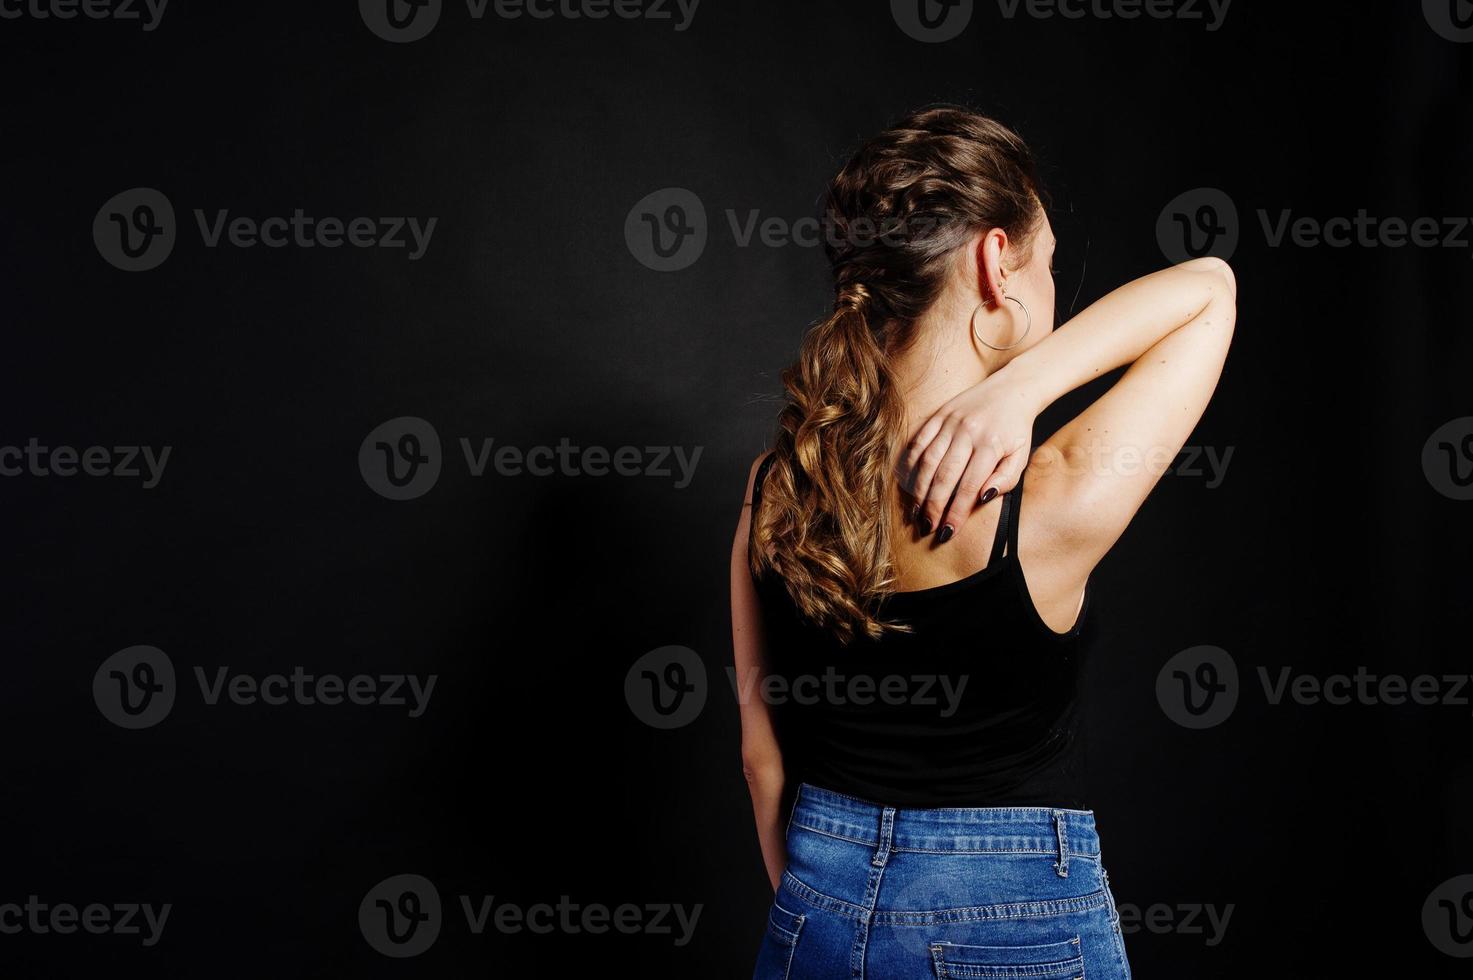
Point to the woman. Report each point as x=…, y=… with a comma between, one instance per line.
x=908, y=631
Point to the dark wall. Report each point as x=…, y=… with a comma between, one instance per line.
x=1335, y=540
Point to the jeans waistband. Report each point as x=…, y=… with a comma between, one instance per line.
x=1015, y=829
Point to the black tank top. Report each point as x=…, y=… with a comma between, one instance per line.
x=976, y=707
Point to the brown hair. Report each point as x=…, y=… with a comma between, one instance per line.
x=895, y=219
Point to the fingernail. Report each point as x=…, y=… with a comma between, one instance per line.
x=925, y=523
x=944, y=535
x=914, y=510
x=991, y=492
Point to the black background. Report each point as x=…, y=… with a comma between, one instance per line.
x=528, y=320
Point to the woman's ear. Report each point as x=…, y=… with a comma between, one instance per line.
x=989, y=250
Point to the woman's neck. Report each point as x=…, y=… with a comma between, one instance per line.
x=941, y=362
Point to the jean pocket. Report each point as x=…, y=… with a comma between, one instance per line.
x=1050, y=961
x=779, y=942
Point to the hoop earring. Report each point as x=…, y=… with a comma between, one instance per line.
x=1027, y=327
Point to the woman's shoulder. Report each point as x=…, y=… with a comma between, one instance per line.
x=756, y=473
x=747, y=525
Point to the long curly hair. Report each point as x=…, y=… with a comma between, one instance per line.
x=895, y=219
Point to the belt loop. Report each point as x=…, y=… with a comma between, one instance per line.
x=887, y=832
x=1061, y=866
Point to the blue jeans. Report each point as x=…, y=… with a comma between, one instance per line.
x=880, y=893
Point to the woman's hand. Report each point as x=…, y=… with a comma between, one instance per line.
x=972, y=448
x=977, y=444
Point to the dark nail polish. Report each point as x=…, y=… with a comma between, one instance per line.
x=914, y=510
x=991, y=492
x=944, y=535
x=925, y=523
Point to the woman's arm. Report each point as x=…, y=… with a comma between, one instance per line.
x=1172, y=327
x=762, y=762
x=1106, y=460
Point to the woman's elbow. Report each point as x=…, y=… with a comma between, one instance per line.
x=1225, y=271
x=1216, y=266
x=762, y=771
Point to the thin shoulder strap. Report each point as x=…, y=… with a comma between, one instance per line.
x=1015, y=516
x=1007, y=524
x=757, y=478
x=760, y=475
